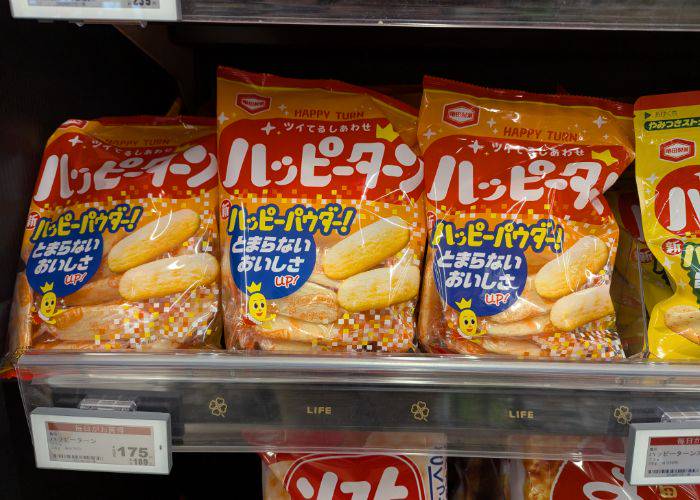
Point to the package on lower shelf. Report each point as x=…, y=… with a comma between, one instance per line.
x=326, y=476
x=121, y=243
x=322, y=218
x=521, y=241
x=556, y=480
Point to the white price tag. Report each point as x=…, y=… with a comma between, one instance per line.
x=87, y=10
x=664, y=453
x=113, y=441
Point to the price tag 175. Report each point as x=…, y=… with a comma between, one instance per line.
x=663, y=453
x=111, y=441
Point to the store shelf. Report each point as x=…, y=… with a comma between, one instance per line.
x=572, y=14
x=476, y=407
x=577, y=14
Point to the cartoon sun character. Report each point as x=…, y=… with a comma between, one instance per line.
x=257, y=304
x=467, y=318
x=47, y=305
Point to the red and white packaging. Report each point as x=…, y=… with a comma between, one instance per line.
x=348, y=476
x=545, y=479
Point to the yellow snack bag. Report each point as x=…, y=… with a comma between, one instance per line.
x=121, y=245
x=521, y=241
x=322, y=218
x=667, y=128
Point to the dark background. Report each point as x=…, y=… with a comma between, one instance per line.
x=50, y=72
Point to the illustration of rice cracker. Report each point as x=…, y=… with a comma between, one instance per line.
x=379, y=288
x=312, y=303
x=84, y=323
x=296, y=330
x=366, y=248
x=569, y=271
x=153, y=239
x=529, y=304
x=582, y=307
x=684, y=320
x=168, y=276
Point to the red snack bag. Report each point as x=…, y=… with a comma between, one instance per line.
x=346, y=476
x=121, y=243
x=322, y=217
x=545, y=480
x=521, y=241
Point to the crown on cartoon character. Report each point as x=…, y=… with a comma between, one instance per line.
x=387, y=132
x=254, y=287
x=464, y=304
x=47, y=287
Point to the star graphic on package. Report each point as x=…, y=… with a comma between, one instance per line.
x=600, y=121
x=268, y=128
x=652, y=178
x=475, y=146
x=428, y=134
x=75, y=140
x=491, y=122
x=604, y=156
x=222, y=117
x=282, y=107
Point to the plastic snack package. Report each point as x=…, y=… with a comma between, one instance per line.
x=322, y=216
x=554, y=480
x=521, y=241
x=640, y=280
x=121, y=245
x=353, y=476
x=667, y=130
x=365, y=475
x=336, y=476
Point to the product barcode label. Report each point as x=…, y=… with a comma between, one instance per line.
x=673, y=456
x=117, y=441
x=663, y=453
x=680, y=472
